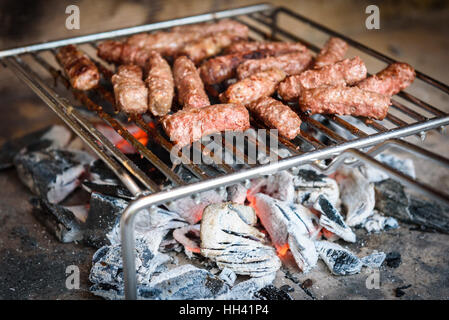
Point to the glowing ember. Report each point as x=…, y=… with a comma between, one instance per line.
x=126, y=147
x=282, y=250
x=119, y=141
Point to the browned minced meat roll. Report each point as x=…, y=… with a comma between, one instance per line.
x=391, y=80
x=131, y=94
x=191, y=93
x=290, y=63
x=82, y=72
x=216, y=27
x=275, y=48
x=186, y=126
x=208, y=46
x=344, y=101
x=160, y=83
x=221, y=68
x=276, y=115
x=344, y=72
x=334, y=50
x=262, y=84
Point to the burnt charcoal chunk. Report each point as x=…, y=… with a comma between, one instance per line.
x=392, y=200
x=117, y=191
x=59, y=220
x=393, y=259
x=51, y=174
x=50, y=137
x=100, y=173
x=104, y=212
x=399, y=292
x=270, y=292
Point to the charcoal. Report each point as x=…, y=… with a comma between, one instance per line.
x=332, y=220
x=62, y=222
x=107, y=265
x=104, y=212
x=100, y=173
x=51, y=174
x=339, y=260
x=374, y=260
x=51, y=137
x=228, y=276
x=247, y=290
x=393, y=259
x=378, y=223
x=279, y=186
x=189, y=237
x=357, y=195
x=399, y=291
x=237, y=193
x=270, y=292
x=117, y=191
x=289, y=224
x=405, y=166
x=392, y=200
x=191, y=208
x=309, y=185
x=187, y=283
x=229, y=238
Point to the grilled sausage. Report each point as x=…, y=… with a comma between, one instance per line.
x=186, y=126
x=160, y=83
x=191, y=93
x=345, y=101
x=290, y=63
x=81, y=71
x=222, y=68
x=262, y=84
x=131, y=94
x=208, y=46
x=334, y=50
x=344, y=72
x=275, y=48
x=213, y=28
x=276, y=115
x=391, y=80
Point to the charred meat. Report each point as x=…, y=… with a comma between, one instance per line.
x=248, y=90
x=191, y=92
x=291, y=63
x=276, y=115
x=344, y=101
x=334, y=50
x=391, y=80
x=275, y=48
x=160, y=83
x=131, y=94
x=82, y=72
x=345, y=72
x=187, y=126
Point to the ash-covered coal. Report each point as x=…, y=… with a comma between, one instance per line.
x=51, y=174
x=53, y=137
x=309, y=185
x=65, y=223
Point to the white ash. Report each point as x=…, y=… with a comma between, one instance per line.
x=404, y=165
x=183, y=236
x=332, y=220
x=378, y=223
x=50, y=174
x=237, y=193
x=339, y=260
x=309, y=185
x=357, y=195
x=374, y=260
x=228, y=276
x=246, y=290
x=279, y=186
x=291, y=224
x=229, y=238
x=191, y=208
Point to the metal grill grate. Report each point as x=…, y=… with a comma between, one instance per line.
x=354, y=134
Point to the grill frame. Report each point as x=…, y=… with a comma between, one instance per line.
x=151, y=195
